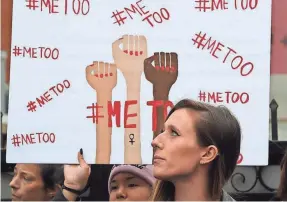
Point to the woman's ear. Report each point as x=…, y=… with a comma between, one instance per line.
x=209, y=154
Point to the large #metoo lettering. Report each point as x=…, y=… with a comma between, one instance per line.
x=155, y=104
x=114, y=111
x=167, y=104
x=126, y=115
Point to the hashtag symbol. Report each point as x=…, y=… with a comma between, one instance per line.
x=202, y=96
x=17, y=51
x=16, y=140
x=199, y=40
x=31, y=106
x=118, y=17
x=95, y=113
x=32, y=4
x=202, y=5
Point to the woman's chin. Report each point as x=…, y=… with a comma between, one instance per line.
x=159, y=173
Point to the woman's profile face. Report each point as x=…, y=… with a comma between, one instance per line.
x=177, y=151
x=27, y=184
x=128, y=187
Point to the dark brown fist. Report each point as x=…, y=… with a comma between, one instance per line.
x=164, y=72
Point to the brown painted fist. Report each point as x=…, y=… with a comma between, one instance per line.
x=164, y=72
x=102, y=76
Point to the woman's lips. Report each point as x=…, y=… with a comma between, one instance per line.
x=157, y=158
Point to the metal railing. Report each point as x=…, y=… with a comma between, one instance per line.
x=274, y=119
x=238, y=178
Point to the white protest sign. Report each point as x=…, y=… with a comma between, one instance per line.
x=100, y=75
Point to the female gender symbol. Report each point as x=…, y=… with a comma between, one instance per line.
x=132, y=136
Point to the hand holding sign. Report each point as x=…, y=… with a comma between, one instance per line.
x=76, y=176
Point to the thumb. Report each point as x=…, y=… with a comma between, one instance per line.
x=116, y=45
x=148, y=61
x=81, y=159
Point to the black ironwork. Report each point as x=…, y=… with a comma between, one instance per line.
x=242, y=177
x=1, y=121
x=260, y=169
x=274, y=124
x=1, y=129
x=258, y=178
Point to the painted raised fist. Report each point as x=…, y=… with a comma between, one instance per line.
x=102, y=76
x=163, y=73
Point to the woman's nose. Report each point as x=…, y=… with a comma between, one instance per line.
x=121, y=193
x=156, y=143
x=14, y=183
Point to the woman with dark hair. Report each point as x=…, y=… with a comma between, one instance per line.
x=282, y=189
x=196, y=153
x=36, y=182
x=131, y=182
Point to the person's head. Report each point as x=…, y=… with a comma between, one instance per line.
x=36, y=182
x=131, y=182
x=282, y=190
x=198, y=139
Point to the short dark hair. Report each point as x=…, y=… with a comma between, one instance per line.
x=52, y=175
x=216, y=126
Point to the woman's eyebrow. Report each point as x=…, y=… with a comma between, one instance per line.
x=130, y=178
x=169, y=125
x=27, y=173
x=173, y=127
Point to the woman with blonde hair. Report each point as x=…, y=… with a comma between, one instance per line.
x=196, y=153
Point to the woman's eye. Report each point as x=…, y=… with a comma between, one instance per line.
x=26, y=178
x=133, y=185
x=113, y=187
x=173, y=133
